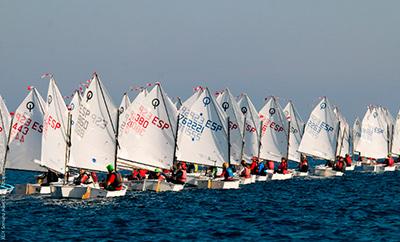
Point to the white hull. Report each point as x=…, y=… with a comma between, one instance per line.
x=78, y=191
x=278, y=176
x=245, y=181
x=350, y=168
x=253, y=178
x=217, y=184
x=326, y=171
x=261, y=178
x=6, y=189
x=154, y=185
x=34, y=189
x=299, y=173
x=191, y=178
x=378, y=168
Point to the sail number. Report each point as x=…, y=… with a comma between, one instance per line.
x=272, y=125
x=23, y=125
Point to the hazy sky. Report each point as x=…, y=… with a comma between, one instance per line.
x=348, y=50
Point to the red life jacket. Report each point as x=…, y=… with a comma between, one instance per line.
x=348, y=161
x=390, y=161
x=183, y=177
x=142, y=173
x=246, y=172
x=253, y=166
x=270, y=165
x=339, y=165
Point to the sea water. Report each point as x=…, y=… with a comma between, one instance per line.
x=357, y=206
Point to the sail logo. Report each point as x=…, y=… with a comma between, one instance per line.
x=316, y=126
x=23, y=125
x=194, y=124
x=378, y=130
x=232, y=125
x=322, y=106
x=272, y=125
x=250, y=128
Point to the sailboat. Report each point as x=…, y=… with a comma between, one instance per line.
x=203, y=137
x=148, y=138
x=251, y=131
x=374, y=142
x=230, y=108
x=320, y=138
x=295, y=132
x=5, y=121
x=344, y=141
x=274, y=135
x=94, y=143
x=395, y=149
x=25, y=139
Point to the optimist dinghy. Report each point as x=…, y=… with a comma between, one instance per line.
x=325, y=171
x=217, y=183
x=5, y=126
x=147, y=138
x=84, y=192
x=279, y=176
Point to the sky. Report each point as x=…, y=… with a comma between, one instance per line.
x=348, y=50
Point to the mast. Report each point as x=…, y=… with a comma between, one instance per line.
x=3, y=177
x=259, y=140
x=176, y=138
x=288, y=143
x=243, y=139
x=337, y=141
x=67, y=148
x=229, y=142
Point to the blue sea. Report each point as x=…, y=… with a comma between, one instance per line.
x=358, y=206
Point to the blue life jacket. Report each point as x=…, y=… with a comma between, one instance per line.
x=260, y=167
x=229, y=172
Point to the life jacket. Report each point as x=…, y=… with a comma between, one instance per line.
x=270, y=165
x=260, y=167
x=253, y=166
x=390, y=161
x=183, y=177
x=246, y=172
x=117, y=183
x=142, y=173
x=86, y=178
x=283, y=167
x=339, y=165
x=348, y=161
x=228, y=174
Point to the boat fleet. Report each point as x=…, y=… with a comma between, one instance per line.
x=152, y=132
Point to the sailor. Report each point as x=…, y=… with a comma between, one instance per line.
x=303, y=165
x=261, y=170
x=158, y=175
x=389, y=161
x=227, y=172
x=134, y=176
x=46, y=178
x=283, y=166
x=114, y=179
x=142, y=174
x=246, y=173
x=84, y=178
x=348, y=160
x=253, y=166
x=340, y=165
x=330, y=163
x=180, y=174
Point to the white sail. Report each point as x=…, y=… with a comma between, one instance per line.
x=373, y=141
x=5, y=121
x=296, y=131
x=147, y=139
x=202, y=133
x=229, y=106
x=252, y=128
x=55, y=128
x=396, y=136
x=94, y=142
x=321, y=132
x=26, y=134
x=125, y=102
x=274, y=142
x=189, y=102
x=344, y=135
x=356, y=132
